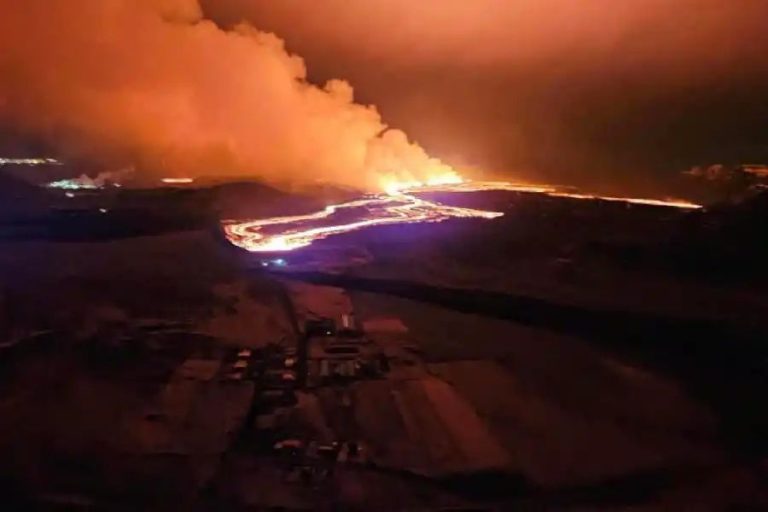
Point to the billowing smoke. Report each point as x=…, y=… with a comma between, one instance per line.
x=615, y=96
x=152, y=84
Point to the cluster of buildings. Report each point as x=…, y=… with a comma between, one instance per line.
x=340, y=352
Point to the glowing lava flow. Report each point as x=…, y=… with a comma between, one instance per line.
x=395, y=208
x=178, y=181
x=671, y=203
x=478, y=186
x=399, y=206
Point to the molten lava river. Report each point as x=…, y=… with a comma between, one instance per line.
x=398, y=206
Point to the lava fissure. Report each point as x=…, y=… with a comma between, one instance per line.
x=398, y=206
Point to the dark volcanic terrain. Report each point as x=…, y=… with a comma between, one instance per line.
x=571, y=354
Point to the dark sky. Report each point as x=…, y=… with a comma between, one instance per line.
x=589, y=92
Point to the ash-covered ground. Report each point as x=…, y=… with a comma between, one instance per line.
x=571, y=354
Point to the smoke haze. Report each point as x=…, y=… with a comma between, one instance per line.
x=625, y=93
x=154, y=84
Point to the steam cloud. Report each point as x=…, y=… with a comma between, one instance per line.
x=151, y=83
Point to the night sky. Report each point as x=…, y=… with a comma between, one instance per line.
x=628, y=92
x=607, y=95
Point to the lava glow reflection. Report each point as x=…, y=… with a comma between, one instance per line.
x=399, y=205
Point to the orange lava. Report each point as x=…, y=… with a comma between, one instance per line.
x=178, y=181
x=378, y=210
x=671, y=203
x=399, y=205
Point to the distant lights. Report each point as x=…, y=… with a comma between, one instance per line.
x=81, y=183
x=29, y=161
x=73, y=184
x=279, y=262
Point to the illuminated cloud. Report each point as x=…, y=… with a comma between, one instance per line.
x=154, y=84
x=585, y=92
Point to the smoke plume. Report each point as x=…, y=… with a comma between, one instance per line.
x=153, y=84
x=617, y=95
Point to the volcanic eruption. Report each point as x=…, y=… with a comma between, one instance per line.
x=155, y=85
x=399, y=205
